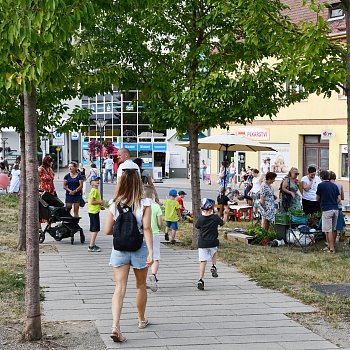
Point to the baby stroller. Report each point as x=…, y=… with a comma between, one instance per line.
x=52, y=209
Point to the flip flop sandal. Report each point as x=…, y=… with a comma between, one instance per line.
x=117, y=335
x=143, y=324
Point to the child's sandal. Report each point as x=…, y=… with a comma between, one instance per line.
x=117, y=335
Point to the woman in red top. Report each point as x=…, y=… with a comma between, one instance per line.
x=46, y=176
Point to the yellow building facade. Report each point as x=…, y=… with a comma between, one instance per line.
x=311, y=132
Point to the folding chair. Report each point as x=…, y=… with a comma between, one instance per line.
x=220, y=209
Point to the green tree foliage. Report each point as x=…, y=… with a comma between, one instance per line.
x=39, y=60
x=203, y=63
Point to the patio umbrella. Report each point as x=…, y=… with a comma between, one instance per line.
x=228, y=142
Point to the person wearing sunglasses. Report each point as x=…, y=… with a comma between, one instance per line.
x=290, y=187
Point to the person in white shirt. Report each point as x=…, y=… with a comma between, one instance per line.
x=109, y=165
x=125, y=162
x=265, y=167
x=310, y=183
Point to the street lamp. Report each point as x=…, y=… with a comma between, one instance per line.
x=3, y=140
x=101, y=124
x=44, y=138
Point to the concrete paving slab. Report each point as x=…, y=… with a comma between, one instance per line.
x=232, y=313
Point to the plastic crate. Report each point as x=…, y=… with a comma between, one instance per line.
x=282, y=219
x=298, y=219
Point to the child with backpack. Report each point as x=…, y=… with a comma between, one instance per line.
x=156, y=223
x=95, y=204
x=129, y=220
x=172, y=216
x=208, y=241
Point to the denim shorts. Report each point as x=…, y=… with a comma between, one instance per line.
x=137, y=259
x=172, y=224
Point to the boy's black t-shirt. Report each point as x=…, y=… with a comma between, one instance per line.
x=208, y=231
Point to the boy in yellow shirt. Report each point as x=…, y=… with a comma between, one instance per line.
x=172, y=215
x=94, y=207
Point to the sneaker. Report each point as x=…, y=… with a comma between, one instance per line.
x=214, y=272
x=94, y=249
x=200, y=284
x=166, y=236
x=153, y=283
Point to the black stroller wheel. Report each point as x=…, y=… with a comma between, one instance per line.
x=72, y=240
x=41, y=236
x=82, y=237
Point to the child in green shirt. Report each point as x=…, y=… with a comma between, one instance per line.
x=156, y=224
x=94, y=207
x=172, y=215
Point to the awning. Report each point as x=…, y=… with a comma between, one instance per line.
x=186, y=137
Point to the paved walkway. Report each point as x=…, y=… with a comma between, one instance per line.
x=232, y=313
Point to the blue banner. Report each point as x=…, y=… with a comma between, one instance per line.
x=159, y=147
x=130, y=146
x=145, y=146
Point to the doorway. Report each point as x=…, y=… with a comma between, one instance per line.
x=316, y=152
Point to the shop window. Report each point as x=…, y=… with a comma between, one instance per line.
x=116, y=97
x=130, y=134
x=130, y=118
x=108, y=98
x=143, y=118
x=145, y=131
x=99, y=98
x=344, y=165
x=100, y=108
x=294, y=88
x=130, y=95
x=311, y=139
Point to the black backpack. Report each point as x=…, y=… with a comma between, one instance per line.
x=126, y=234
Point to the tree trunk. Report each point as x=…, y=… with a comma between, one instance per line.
x=195, y=180
x=32, y=292
x=21, y=239
x=347, y=19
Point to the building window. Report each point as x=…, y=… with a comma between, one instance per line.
x=336, y=11
x=294, y=88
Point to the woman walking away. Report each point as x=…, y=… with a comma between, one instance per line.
x=267, y=200
x=129, y=194
x=73, y=183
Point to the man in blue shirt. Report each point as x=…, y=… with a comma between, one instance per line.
x=328, y=195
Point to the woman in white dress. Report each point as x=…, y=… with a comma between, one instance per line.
x=15, y=179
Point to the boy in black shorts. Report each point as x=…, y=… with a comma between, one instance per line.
x=208, y=241
x=95, y=204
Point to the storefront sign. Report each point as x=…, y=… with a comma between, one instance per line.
x=258, y=134
x=130, y=146
x=145, y=146
x=159, y=147
x=74, y=135
x=327, y=134
x=344, y=149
